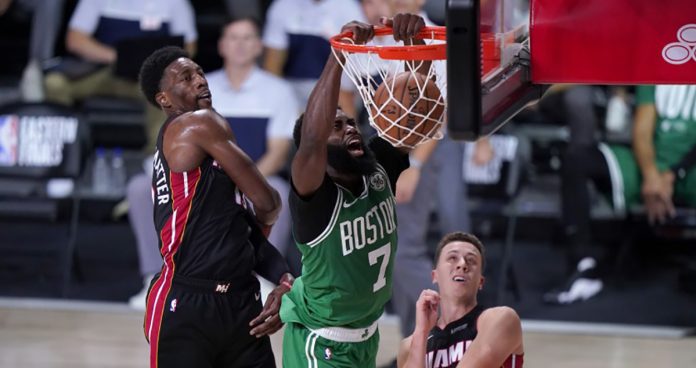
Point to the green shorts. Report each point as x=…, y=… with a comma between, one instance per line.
x=626, y=179
x=303, y=348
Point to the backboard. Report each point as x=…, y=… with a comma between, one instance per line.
x=488, y=69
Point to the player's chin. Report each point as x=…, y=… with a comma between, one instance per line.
x=205, y=103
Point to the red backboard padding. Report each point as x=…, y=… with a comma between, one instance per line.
x=613, y=41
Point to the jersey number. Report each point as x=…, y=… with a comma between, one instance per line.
x=383, y=251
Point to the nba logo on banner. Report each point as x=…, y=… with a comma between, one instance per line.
x=9, y=138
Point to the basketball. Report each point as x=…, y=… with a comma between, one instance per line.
x=412, y=112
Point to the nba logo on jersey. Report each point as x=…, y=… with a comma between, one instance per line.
x=172, y=306
x=327, y=354
x=377, y=181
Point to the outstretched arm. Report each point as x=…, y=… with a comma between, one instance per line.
x=499, y=336
x=205, y=132
x=309, y=163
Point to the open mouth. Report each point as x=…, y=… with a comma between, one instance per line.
x=459, y=279
x=204, y=96
x=354, y=143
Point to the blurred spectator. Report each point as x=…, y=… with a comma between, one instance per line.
x=658, y=172
x=95, y=29
x=260, y=107
x=374, y=10
x=46, y=20
x=296, y=38
x=239, y=9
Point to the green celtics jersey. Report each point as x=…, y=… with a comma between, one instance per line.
x=675, y=128
x=347, y=270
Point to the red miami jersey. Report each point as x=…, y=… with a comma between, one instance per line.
x=446, y=347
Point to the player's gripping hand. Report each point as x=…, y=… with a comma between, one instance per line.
x=362, y=32
x=426, y=310
x=268, y=322
x=405, y=25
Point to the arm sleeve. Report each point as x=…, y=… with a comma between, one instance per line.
x=645, y=95
x=269, y=263
x=311, y=215
x=274, y=35
x=392, y=160
x=286, y=111
x=183, y=21
x=85, y=18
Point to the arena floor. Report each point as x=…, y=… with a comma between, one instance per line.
x=40, y=333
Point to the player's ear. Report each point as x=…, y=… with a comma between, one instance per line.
x=162, y=99
x=433, y=276
x=483, y=281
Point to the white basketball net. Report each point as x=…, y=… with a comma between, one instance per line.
x=367, y=71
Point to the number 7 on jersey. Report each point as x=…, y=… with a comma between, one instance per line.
x=384, y=252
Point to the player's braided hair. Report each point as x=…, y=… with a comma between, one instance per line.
x=462, y=237
x=152, y=70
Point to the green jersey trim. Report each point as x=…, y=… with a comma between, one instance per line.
x=363, y=195
x=332, y=222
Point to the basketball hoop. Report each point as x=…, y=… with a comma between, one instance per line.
x=380, y=65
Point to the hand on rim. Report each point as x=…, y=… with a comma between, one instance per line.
x=405, y=25
x=362, y=32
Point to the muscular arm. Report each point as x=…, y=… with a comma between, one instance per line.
x=88, y=48
x=309, y=163
x=499, y=336
x=270, y=264
x=275, y=157
x=194, y=135
x=274, y=60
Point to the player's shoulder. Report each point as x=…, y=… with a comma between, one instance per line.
x=198, y=121
x=497, y=316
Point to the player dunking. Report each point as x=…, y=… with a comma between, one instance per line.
x=202, y=305
x=344, y=223
x=464, y=334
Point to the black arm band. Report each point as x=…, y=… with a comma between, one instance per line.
x=270, y=264
x=685, y=164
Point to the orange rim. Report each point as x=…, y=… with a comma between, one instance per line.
x=406, y=52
